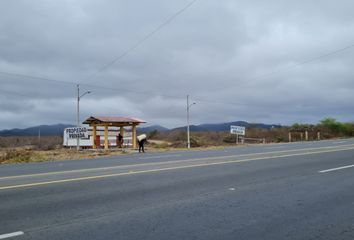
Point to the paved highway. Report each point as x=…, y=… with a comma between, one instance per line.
x=280, y=191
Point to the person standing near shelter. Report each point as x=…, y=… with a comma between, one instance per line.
x=120, y=140
x=141, y=142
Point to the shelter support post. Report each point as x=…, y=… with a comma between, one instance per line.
x=94, y=136
x=306, y=135
x=121, y=131
x=289, y=136
x=106, y=137
x=134, y=136
x=318, y=135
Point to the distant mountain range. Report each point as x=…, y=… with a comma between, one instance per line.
x=50, y=130
x=44, y=130
x=222, y=127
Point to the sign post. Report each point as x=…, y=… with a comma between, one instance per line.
x=238, y=130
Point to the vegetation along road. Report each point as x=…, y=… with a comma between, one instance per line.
x=280, y=191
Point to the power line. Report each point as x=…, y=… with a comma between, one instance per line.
x=181, y=96
x=133, y=91
x=165, y=95
x=223, y=102
x=35, y=77
x=140, y=41
x=219, y=102
x=15, y=93
x=326, y=55
x=334, y=52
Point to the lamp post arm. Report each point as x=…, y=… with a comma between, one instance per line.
x=87, y=92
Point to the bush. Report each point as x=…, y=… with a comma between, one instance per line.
x=194, y=142
x=337, y=128
x=349, y=129
x=332, y=125
x=230, y=139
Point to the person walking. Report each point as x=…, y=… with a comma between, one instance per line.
x=141, y=142
x=141, y=145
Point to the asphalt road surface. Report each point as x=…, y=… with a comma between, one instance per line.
x=280, y=191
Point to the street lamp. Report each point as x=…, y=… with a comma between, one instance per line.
x=188, y=107
x=78, y=113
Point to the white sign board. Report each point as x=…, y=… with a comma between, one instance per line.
x=86, y=138
x=77, y=132
x=237, y=130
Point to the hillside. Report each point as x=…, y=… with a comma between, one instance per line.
x=45, y=130
x=57, y=129
x=222, y=127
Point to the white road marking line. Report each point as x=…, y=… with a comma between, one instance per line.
x=339, y=142
x=232, y=189
x=167, y=162
x=167, y=169
x=335, y=169
x=161, y=156
x=8, y=235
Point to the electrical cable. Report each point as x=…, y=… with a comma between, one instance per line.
x=176, y=96
x=304, y=62
x=35, y=77
x=140, y=41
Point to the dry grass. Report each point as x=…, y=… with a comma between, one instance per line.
x=29, y=149
x=49, y=148
x=31, y=154
x=208, y=139
x=43, y=142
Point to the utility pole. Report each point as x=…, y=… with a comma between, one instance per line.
x=78, y=117
x=188, y=137
x=39, y=136
x=78, y=114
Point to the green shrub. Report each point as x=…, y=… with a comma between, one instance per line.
x=335, y=127
x=230, y=139
x=195, y=142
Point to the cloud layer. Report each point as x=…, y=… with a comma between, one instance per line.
x=238, y=60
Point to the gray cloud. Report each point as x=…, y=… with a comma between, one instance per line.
x=219, y=52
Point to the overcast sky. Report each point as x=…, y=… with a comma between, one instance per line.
x=238, y=60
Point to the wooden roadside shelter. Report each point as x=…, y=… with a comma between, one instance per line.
x=107, y=122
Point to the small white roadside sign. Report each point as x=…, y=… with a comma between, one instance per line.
x=238, y=130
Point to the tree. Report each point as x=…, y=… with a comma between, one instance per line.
x=336, y=127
